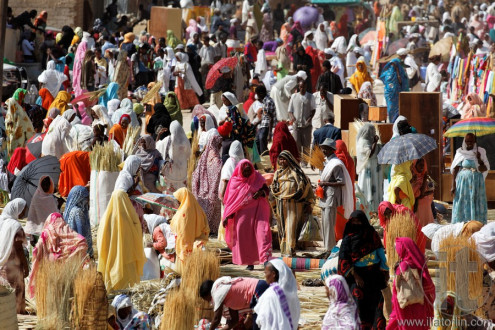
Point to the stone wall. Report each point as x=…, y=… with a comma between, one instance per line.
x=60, y=12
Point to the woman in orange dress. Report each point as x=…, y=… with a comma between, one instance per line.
x=118, y=131
x=187, y=88
x=75, y=171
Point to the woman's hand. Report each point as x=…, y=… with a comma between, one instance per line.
x=452, y=191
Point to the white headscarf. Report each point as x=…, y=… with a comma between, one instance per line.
x=364, y=141
x=203, y=135
x=125, y=180
x=231, y=97
x=269, y=309
x=113, y=105
x=170, y=54
x=352, y=43
x=463, y=153
x=485, y=241
x=8, y=230
x=126, y=108
x=342, y=311
x=236, y=155
x=178, y=149
x=321, y=37
x=52, y=79
x=54, y=142
x=123, y=301
x=395, y=128
x=339, y=45
x=13, y=209
x=102, y=114
x=153, y=221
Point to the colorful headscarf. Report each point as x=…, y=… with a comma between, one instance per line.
x=76, y=214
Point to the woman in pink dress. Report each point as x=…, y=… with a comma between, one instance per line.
x=423, y=195
x=247, y=216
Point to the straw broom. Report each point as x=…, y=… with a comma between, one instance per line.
x=452, y=245
x=316, y=158
x=191, y=164
x=53, y=290
x=400, y=225
x=130, y=139
x=177, y=311
x=104, y=158
x=90, y=309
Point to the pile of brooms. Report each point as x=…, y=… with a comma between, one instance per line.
x=399, y=225
x=184, y=308
x=105, y=158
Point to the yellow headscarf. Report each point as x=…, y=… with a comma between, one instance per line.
x=120, y=244
x=61, y=102
x=402, y=179
x=360, y=75
x=129, y=37
x=189, y=224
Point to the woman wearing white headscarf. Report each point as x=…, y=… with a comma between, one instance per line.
x=124, y=309
x=308, y=40
x=100, y=116
x=168, y=68
x=351, y=59
x=175, y=150
x=112, y=106
x=52, y=79
x=342, y=312
x=339, y=46
x=126, y=108
x=278, y=307
x=128, y=176
x=370, y=174
x=206, y=123
x=321, y=37
x=187, y=88
x=54, y=143
x=236, y=154
x=13, y=264
x=42, y=205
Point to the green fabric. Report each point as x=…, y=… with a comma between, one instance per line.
x=173, y=107
x=172, y=40
x=19, y=95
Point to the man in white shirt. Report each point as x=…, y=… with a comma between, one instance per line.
x=221, y=47
x=433, y=76
x=302, y=108
x=207, y=54
x=324, y=105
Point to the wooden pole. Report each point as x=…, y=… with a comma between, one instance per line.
x=4, y=4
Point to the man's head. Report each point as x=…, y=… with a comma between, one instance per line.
x=206, y=40
x=329, y=118
x=205, y=290
x=402, y=52
x=261, y=92
x=98, y=53
x=470, y=140
x=328, y=147
x=302, y=86
x=259, y=44
x=33, y=13
x=326, y=66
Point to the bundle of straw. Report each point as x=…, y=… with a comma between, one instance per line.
x=131, y=139
x=53, y=290
x=316, y=158
x=152, y=92
x=461, y=252
x=105, y=158
x=191, y=164
x=95, y=95
x=400, y=225
x=90, y=309
x=122, y=74
x=199, y=267
x=177, y=311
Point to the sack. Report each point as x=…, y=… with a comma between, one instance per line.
x=102, y=185
x=311, y=230
x=387, y=302
x=409, y=287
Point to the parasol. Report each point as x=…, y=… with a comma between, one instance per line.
x=306, y=15
x=85, y=98
x=442, y=48
x=396, y=45
x=479, y=126
x=406, y=147
x=215, y=73
x=167, y=201
x=28, y=178
x=367, y=36
x=35, y=148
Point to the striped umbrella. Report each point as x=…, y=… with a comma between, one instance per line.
x=479, y=126
x=406, y=147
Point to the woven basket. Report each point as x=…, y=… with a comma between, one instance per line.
x=8, y=308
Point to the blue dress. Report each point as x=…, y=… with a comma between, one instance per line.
x=470, y=195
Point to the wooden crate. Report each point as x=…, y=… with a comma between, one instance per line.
x=384, y=130
x=163, y=19
x=424, y=112
x=377, y=114
x=345, y=109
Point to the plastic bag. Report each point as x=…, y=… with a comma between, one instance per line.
x=311, y=230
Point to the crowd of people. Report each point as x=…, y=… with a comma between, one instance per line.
x=241, y=168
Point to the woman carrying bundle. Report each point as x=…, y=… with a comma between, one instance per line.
x=247, y=216
x=14, y=266
x=294, y=196
x=419, y=313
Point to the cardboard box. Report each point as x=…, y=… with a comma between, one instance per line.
x=163, y=19
x=377, y=114
x=345, y=109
